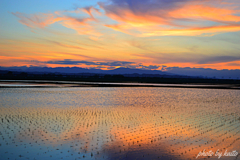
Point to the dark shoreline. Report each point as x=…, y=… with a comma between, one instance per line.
x=63, y=84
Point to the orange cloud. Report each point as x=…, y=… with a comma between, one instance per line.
x=145, y=21
x=137, y=20
x=200, y=12
x=191, y=31
x=90, y=11
x=36, y=20
x=42, y=20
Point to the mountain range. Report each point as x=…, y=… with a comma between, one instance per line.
x=78, y=70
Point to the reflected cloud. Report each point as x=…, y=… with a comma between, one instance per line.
x=149, y=123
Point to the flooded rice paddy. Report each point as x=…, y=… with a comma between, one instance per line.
x=119, y=123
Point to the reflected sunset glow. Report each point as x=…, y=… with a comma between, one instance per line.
x=152, y=123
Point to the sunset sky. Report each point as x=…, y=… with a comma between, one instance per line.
x=108, y=34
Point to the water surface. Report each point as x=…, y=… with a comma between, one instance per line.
x=118, y=123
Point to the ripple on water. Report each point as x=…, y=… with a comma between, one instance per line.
x=117, y=123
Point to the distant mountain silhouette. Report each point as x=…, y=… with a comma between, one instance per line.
x=98, y=75
x=172, y=72
x=77, y=70
x=135, y=71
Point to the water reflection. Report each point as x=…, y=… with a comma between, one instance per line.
x=138, y=123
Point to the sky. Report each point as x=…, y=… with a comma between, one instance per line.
x=108, y=34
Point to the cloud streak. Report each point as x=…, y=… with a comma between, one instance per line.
x=97, y=64
x=40, y=20
x=66, y=45
x=145, y=18
x=77, y=20
x=173, y=17
x=219, y=59
x=205, y=72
